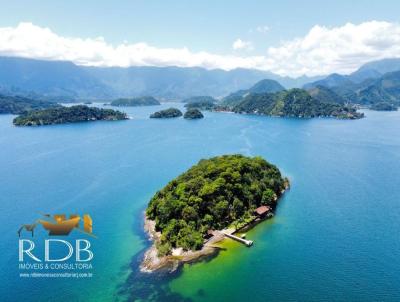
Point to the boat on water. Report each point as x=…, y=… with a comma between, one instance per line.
x=61, y=226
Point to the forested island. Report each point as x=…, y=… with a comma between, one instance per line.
x=133, y=102
x=192, y=114
x=19, y=105
x=292, y=103
x=167, y=113
x=63, y=115
x=216, y=194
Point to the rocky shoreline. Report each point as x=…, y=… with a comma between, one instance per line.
x=152, y=262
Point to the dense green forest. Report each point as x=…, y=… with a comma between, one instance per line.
x=193, y=113
x=213, y=194
x=18, y=105
x=62, y=115
x=167, y=113
x=293, y=103
x=140, y=101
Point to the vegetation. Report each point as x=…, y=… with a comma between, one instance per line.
x=384, y=106
x=294, y=103
x=193, y=113
x=167, y=113
x=140, y=101
x=213, y=194
x=326, y=95
x=62, y=115
x=19, y=105
x=201, y=105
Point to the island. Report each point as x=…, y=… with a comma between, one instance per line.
x=192, y=114
x=214, y=199
x=133, y=102
x=19, y=105
x=197, y=99
x=63, y=115
x=293, y=103
x=383, y=106
x=167, y=113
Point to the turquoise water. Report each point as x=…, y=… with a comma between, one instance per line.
x=335, y=236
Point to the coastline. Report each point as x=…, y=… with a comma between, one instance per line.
x=152, y=262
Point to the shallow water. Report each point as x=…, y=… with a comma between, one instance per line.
x=334, y=237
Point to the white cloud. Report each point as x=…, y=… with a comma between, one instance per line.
x=322, y=50
x=339, y=49
x=262, y=29
x=240, y=44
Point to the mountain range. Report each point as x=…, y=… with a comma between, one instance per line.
x=372, y=83
x=65, y=81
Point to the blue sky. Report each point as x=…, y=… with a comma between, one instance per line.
x=204, y=26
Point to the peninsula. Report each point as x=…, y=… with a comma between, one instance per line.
x=214, y=198
x=63, y=115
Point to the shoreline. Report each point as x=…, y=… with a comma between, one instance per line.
x=152, y=262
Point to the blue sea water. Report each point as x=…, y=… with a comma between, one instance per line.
x=335, y=236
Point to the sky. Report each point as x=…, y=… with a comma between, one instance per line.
x=286, y=37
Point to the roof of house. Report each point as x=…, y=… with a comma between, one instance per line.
x=262, y=210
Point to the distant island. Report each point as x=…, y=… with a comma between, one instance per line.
x=167, y=113
x=19, y=105
x=133, y=102
x=192, y=114
x=384, y=106
x=218, y=196
x=201, y=105
x=203, y=98
x=63, y=115
x=291, y=103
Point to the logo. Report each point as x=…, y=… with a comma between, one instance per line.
x=59, y=225
x=56, y=257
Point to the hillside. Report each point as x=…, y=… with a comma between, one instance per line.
x=18, y=105
x=326, y=95
x=263, y=86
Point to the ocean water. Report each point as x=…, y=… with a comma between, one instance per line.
x=335, y=236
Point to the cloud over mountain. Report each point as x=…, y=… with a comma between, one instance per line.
x=322, y=50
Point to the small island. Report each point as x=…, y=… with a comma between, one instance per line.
x=193, y=113
x=212, y=200
x=63, y=115
x=135, y=102
x=167, y=113
x=383, y=106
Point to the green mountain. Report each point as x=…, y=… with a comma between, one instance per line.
x=326, y=95
x=293, y=103
x=18, y=105
x=384, y=89
x=263, y=86
x=133, y=102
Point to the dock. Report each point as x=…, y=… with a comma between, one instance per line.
x=241, y=240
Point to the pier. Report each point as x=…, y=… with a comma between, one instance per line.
x=241, y=240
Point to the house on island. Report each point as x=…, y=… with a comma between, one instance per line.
x=263, y=211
